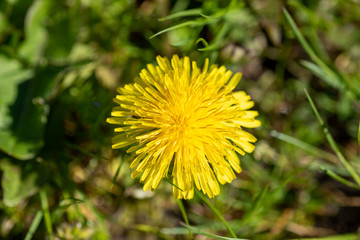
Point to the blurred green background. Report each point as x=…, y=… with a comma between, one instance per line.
x=60, y=64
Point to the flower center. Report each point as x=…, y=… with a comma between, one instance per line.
x=180, y=121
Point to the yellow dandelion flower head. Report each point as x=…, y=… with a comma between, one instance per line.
x=185, y=123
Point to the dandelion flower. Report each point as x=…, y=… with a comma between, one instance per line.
x=185, y=123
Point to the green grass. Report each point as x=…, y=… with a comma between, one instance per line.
x=60, y=65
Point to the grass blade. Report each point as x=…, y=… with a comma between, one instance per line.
x=213, y=236
x=75, y=147
x=46, y=212
x=193, y=23
x=185, y=13
x=180, y=25
x=203, y=41
x=67, y=202
x=332, y=142
x=349, y=236
x=257, y=204
x=99, y=217
x=315, y=69
x=116, y=174
x=339, y=178
x=330, y=76
x=183, y=212
x=359, y=134
x=216, y=212
x=219, y=39
x=312, y=34
x=300, y=37
x=151, y=229
x=303, y=145
x=34, y=225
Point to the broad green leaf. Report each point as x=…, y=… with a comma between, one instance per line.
x=20, y=181
x=11, y=76
x=23, y=108
x=35, y=32
x=4, y=25
x=12, y=1
x=62, y=35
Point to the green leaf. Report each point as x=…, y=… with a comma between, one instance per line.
x=116, y=174
x=315, y=69
x=339, y=178
x=257, y=204
x=185, y=13
x=67, y=202
x=213, y=236
x=203, y=41
x=24, y=107
x=4, y=24
x=218, y=41
x=350, y=236
x=329, y=75
x=12, y=75
x=332, y=142
x=216, y=212
x=359, y=134
x=47, y=217
x=35, y=32
x=305, y=146
x=20, y=181
x=64, y=31
x=34, y=225
x=193, y=23
x=102, y=231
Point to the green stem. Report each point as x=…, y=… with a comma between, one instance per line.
x=183, y=212
x=216, y=212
